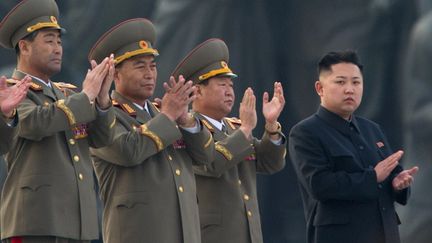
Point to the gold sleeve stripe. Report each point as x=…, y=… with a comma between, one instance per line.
x=208, y=142
x=70, y=116
x=113, y=123
x=152, y=136
x=224, y=151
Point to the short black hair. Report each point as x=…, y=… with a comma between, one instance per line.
x=335, y=57
x=30, y=37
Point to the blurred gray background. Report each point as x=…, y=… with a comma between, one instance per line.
x=283, y=40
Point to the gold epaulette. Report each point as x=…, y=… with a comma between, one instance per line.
x=33, y=86
x=125, y=107
x=207, y=124
x=62, y=85
x=131, y=111
x=36, y=87
x=233, y=122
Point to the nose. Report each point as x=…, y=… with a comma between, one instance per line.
x=349, y=89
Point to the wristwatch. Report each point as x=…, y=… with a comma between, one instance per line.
x=278, y=129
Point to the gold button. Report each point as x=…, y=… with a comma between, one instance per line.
x=181, y=189
x=246, y=197
x=249, y=213
x=80, y=176
x=178, y=172
x=169, y=157
x=72, y=141
x=76, y=158
x=239, y=182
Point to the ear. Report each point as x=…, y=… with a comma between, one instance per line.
x=198, y=90
x=319, y=88
x=117, y=75
x=24, y=47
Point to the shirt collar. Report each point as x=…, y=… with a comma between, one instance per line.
x=36, y=78
x=142, y=108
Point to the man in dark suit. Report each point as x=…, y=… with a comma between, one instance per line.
x=226, y=188
x=349, y=177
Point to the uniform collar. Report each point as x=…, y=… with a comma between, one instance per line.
x=20, y=75
x=214, y=122
x=338, y=122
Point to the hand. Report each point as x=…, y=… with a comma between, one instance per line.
x=10, y=97
x=404, y=179
x=272, y=109
x=94, y=78
x=177, y=97
x=247, y=113
x=186, y=120
x=103, y=98
x=385, y=167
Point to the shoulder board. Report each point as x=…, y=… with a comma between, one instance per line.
x=207, y=124
x=62, y=85
x=233, y=122
x=35, y=87
x=156, y=105
x=128, y=109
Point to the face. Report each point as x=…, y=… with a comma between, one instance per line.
x=136, y=78
x=341, y=89
x=215, y=99
x=44, y=54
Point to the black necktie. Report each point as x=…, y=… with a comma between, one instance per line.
x=224, y=129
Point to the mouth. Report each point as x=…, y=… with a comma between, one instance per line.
x=147, y=85
x=228, y=102
x=349, y=99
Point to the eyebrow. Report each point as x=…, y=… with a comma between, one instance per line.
x=345, y=77
x=139, y=62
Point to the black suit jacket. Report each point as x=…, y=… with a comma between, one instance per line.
x=334, y=160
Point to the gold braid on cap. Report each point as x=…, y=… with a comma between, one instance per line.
x=130, y=54
x=38, y=26
x=212, y=73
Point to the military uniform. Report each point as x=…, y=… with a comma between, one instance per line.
x=226, y=188
x=49, y=190
x=146, y=178
x=6, y=132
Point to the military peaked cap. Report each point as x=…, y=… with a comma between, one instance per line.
x=207, y=60
x=27, y=17
x=129, y=38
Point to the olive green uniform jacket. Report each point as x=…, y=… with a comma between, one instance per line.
x=49, y=189
x=6, y=134
x=226, y=188
x=146, y=178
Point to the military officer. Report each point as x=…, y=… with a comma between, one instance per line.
x=48, y=195
x=10, y=97
x=146, y=178
x=226, y=188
